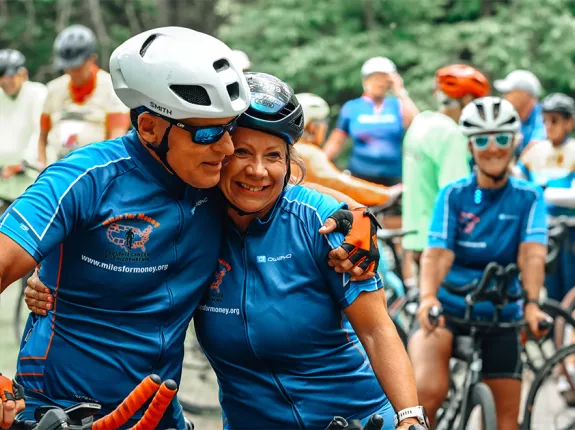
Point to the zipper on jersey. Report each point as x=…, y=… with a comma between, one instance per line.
x=245, y=320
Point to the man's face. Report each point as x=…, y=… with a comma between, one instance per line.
x=198, y=165
x=557, y=126
x=82, y=73
x=12, y=84
x=519, y=99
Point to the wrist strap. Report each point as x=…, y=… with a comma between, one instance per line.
x=527, y=301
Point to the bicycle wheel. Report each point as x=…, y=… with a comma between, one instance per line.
x=550, y=404
x=199, y=391
x=481, y=397
x=564, y=327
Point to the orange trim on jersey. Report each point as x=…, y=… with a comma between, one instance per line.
x=348, y=339
x=117, y=120
x=29, y=374
x=81, y=93
x=45, y=122
x=54, y=313
x=34, y=389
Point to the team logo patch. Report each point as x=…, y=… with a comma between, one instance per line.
x=467, y=222
x=223, y=268
x=129, y=233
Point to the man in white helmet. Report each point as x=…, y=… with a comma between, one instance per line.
x=128, y=230
x=20, y=109
x=320, y=170
x=522, y=89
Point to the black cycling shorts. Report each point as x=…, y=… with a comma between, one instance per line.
x=501, y=351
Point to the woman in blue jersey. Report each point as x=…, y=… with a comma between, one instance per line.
x=488, y=216
x=293, y=343
x=376, y=123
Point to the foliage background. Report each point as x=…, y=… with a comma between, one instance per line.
x=320, y=45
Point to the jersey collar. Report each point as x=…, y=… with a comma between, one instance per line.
x=152, y=167
x=261, y=225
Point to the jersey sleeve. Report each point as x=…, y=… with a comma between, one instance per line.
x=443, y=226
x=535, y=221
x=60, y=200
x=539, y=132
x=319, y=208
x=344, y=118
x=452, y=163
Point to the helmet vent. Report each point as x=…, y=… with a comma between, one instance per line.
x=193, y=94
x=467, y=123
x=287, y=109
x=509, y=121
x=481, y=110
x=147, y=44
x=233, y=91
x=496, y=107
x=221, y=65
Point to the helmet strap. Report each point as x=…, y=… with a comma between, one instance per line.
x=239, y=211
x=495, y=178
x=162, y=149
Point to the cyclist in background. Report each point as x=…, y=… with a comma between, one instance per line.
x=320, y=170
x=551, y=164
x=81, y=106
x=522, y=89
x=436, y=151
x=376, y=122
x=487, y=216
x=21, y=104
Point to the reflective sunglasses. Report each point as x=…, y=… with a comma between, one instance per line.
x=205, y=134
x=502, y=140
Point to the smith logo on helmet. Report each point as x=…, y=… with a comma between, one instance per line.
x=160, y=108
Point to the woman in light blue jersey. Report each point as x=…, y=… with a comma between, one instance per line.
x=488, y=216
x=293, y=343
x=376, y=122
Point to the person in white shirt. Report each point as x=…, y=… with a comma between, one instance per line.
x=81, y=106
x=21, y=103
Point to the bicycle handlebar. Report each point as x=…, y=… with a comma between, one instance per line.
x=375, y=422
x=437, y=311
x=80, y=416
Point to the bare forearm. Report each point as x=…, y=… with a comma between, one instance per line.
x=435, y=265
x=334, y=143
x=391, y=365
x=42, y=143
x=533, y=275
x=340, y=197
x=410, y=110
x=362, y=191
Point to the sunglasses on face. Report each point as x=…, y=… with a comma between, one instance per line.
x=205, y=134
x=501, y=140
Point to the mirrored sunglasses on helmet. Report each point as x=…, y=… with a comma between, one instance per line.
x=205, y=134
x=501, y=140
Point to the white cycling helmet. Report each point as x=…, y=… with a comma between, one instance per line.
x=488, y=115
x=241, y=59
x=314, y=107
x=377, y=65
x=179, y=73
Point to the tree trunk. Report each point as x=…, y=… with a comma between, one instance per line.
x=4, y=15
x=486, y=7
x=31, y=17
x=132, y=17
x=100, y=30
x=63, y=13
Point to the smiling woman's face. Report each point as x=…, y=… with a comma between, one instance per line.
x=253, y=177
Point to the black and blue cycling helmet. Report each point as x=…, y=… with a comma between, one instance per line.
x=73, y=46
x=11, y=61
x=559, y=103
x=273, y=109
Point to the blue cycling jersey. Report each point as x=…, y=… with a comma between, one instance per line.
x=127, y=250
x=533, y=128
x=273, y=327
x=377, y=132
x=484, y=225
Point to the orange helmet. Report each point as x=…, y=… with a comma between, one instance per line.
x=457, y=80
